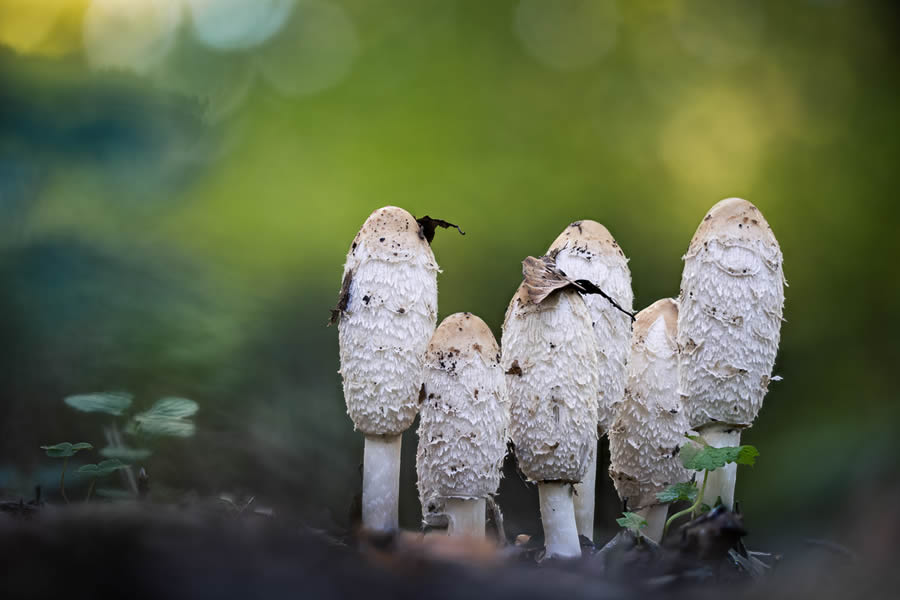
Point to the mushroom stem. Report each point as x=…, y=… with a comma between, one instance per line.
x=558, y=518
x=721, y=481
x=584, y=498
x=381, y=483
x=655, y=515
x=466, y=516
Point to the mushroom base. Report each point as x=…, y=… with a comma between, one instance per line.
x=466, y=516
x=381, y=483
x=721, y=482
x=655, y=516
x=558, y=519
x=584, y=498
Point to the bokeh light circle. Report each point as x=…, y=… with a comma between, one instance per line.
x=567, y=34
x=130, y=35
x=720, y=32
x=238, y=24
x=315, y=51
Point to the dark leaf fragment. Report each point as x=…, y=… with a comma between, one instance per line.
x=343, y=299
x=427, y=227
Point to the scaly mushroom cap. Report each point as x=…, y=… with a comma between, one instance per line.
x=549, y=356
x=732, y=296
x=651, y=425
x=464, y=417
x=389, y=310
x=586, y=250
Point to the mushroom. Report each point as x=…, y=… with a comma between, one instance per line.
x=387, y=313
x=732, y=296
x=549, y=355
x=651, y=425
x=585, y=250
x=463, y=424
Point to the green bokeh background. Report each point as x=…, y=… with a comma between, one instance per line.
x=152, y=245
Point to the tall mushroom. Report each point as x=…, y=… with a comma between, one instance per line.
x=549, y=355
x=651, y=424
x=586, y=250
x=732, y=296
x=463, y=424
x=387, y=313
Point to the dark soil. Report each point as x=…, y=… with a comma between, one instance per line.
x=134, y=550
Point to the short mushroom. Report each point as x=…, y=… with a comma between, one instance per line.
x=586, y=250
x=651, y=425
x=387, y=313
x=549, y=355
x=463, y=424
x=732, y=296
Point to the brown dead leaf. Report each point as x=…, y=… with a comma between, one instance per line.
x=542, y=277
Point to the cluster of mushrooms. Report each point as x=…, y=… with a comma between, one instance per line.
x=574, y=364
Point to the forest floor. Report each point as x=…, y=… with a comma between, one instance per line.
x=140, y=550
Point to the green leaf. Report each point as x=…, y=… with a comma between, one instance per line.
x=174, y=408
x=679, y=492
x=631, y=521
x=111, y=403
x=104, y=468
x=125, y=453
x=163, y=426
x=65, y=449
x=166, y=417
x=707, y=458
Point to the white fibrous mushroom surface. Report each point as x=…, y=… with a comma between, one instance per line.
x=388, y=314
x=464, y=418
x=732, y=297
x=549, y=356
x=651, y=425
x=586, y=250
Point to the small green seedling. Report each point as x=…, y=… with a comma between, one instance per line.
x=101, y=469
x=110, y=403
x=633, y=522
x=64, y=450
x=700, y=456
x=680, y=492
x=168, y=416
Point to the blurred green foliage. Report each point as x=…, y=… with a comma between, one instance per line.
x=152, y=242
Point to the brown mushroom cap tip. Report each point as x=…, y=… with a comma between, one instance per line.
x=734, y=218
x=390, y=225
x=465, y=335
x=591, y=233
x=667, y=308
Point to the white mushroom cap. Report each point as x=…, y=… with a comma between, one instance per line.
x=732, y=296
x=586, y=250
x=388, y=313
x=549, y=355
x=465, y=415
x=651, y=425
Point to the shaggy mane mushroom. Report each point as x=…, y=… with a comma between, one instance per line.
x=732, y=297
x=386, y=316
x=586, y=251
x=549, y=355
x=463, y=424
